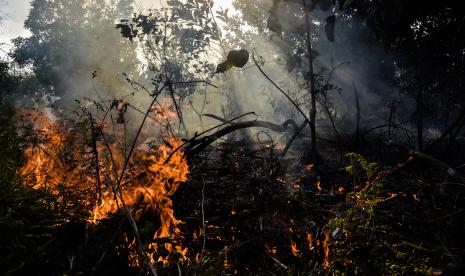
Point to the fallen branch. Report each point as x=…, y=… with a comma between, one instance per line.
x=420, y=155
x=279, y=263
x=183, y=145
x=437, y=162
x=197, y=145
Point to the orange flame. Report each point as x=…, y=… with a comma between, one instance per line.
x=318, y=185
x=294, y=250
x=309, y=238
x=49, y=156
x=149, y=189
x=326, y=262
x=61, y=157
x=309, y=167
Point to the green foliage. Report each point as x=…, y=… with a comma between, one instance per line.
x=176, y=39
x=8, y=86
x=71, y=39
x=369, y=169
x=27, y=217
x=368, y=175
x=365, y=244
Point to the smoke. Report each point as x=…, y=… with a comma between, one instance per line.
x=93, y=57
x=355, y=63
x=86, y=55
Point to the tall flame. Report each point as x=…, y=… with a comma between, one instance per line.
x=151, y=185
x=148, y=189
x=61, y=157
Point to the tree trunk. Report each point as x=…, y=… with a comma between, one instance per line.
x=420, y=119
x=312, y=116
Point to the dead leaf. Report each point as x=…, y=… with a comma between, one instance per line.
x=235, y=58
x=238, y=58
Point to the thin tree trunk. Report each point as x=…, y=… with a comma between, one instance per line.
x=96, y=160
x=312, y=116
x=391, y=114
x=357, y=103
x=419, y=99
x=420, y=119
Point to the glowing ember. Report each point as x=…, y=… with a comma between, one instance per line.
x=270, y=249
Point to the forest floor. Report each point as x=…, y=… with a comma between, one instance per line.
x=385, y=211
x=404, y=217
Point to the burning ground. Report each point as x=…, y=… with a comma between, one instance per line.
x=271, y=137
x=232, y=208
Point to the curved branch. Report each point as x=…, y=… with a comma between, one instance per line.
x=195, y=146
x=281, y=90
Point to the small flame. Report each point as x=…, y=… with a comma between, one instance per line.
x=326, y=262
x=270, y=249
x=294, y=250
x=416, y=197
x=309, y=238
x=318, y=186
x=309, y=167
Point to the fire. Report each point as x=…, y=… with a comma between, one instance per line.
x=309, y=238
x=149, y=189
x=318, y=185
x=416, y=197
x=36, y=167
x=271, y=249
x=49, y=158
x=326, y=262
x=294, y=250
x=309, y=167
x=58, y=156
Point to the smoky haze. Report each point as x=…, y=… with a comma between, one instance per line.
x=354, y=63
x=95, y=57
